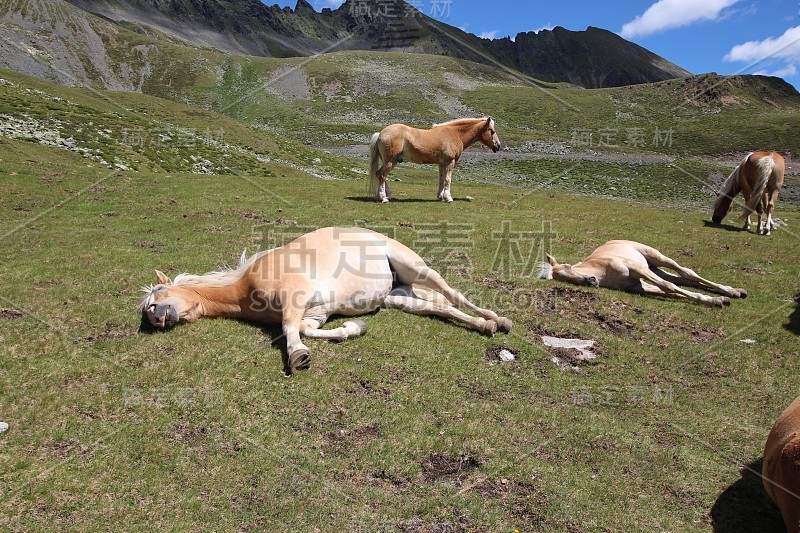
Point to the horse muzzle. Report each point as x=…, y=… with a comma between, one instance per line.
x=495, y=148
x=591, y=281
x=162, y=316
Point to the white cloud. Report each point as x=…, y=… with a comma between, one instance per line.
x=788, y=71
x=787, y=46
x=547, y=26
x=668, y=14
x=488, y=34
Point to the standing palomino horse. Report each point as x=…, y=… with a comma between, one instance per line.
x=634, y=267
x=781, y=465
x=759, y=177
x=330, y=271
x=441, y=145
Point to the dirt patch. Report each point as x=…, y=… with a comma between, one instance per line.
x=570, y=356
x=459, y=522
x=346, y=440
x=493, y=355
x=112, y=332
x=522, y=500
x=753, y=270
x=494, y=283
x=10, y=314
x=184, y=433
x=439, y=467
x=698, y=334
x=569, y=296
x=612, y=323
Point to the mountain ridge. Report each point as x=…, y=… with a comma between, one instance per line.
x=591, y=58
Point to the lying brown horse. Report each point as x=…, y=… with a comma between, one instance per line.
x=759, y=177
x=635, y=267
x=442, y=145
x=330, y=271
x=781, y=469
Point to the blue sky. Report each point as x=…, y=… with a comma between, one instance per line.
x=723, y=36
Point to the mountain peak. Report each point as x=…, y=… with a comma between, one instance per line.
x=590, y=58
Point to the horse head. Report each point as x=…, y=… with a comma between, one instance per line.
x=166, y=305
x=566, y=273
x=489, y=135
x=722, y=206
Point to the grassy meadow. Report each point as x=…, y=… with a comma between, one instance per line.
x=415, y=426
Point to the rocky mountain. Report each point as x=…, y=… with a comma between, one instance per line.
x=592, y=58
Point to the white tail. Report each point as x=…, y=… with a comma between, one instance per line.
x=375, y=163
x=764, y=167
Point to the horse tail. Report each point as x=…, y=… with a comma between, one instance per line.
x=764, y=168
x=730, y=188
x=375, y=163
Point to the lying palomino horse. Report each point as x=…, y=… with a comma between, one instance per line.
x=330, y=271
x=441, y=145
x=759, y=177
x=781, y=468
x=634, y=267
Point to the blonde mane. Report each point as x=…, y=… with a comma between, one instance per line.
x=731, y=186
x=460, y=122
x=226, y=276
x=221, y=278
x=545, y=270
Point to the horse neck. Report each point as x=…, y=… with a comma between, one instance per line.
x=590, y=268
x=227, y=301
x=730, y=188
x=470, y=132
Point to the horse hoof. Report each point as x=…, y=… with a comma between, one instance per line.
x=722, y=301
x=504, y=324
x=742, y=293
x=384, y=200
x=299, y=360
x=490, y=328
x=360, y=325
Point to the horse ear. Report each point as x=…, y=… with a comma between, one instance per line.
x=162, y=278
x=551, y=260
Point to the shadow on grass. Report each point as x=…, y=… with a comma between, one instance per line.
x=745, y=507
x=794, y=318
x=372, y=200
x=726, y=227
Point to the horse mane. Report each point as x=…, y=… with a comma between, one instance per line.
x=731, y=186
x=226, y=276
x=545, y=270
x=221, y=278
x=460, y=122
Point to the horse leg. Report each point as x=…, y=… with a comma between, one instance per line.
x=444, y=181
x=383, y=173
x=442, y=175
x=398, y=299
x=771, y=200
x=760, y=211
x=352, y=328
x=656, y=260
x=673, y=290
x=746, y=192
x=430, y=279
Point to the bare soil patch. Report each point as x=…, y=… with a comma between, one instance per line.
x=445, y=467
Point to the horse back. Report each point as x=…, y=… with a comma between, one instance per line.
x=781, y=469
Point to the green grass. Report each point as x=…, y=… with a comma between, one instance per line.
x=406, y=427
